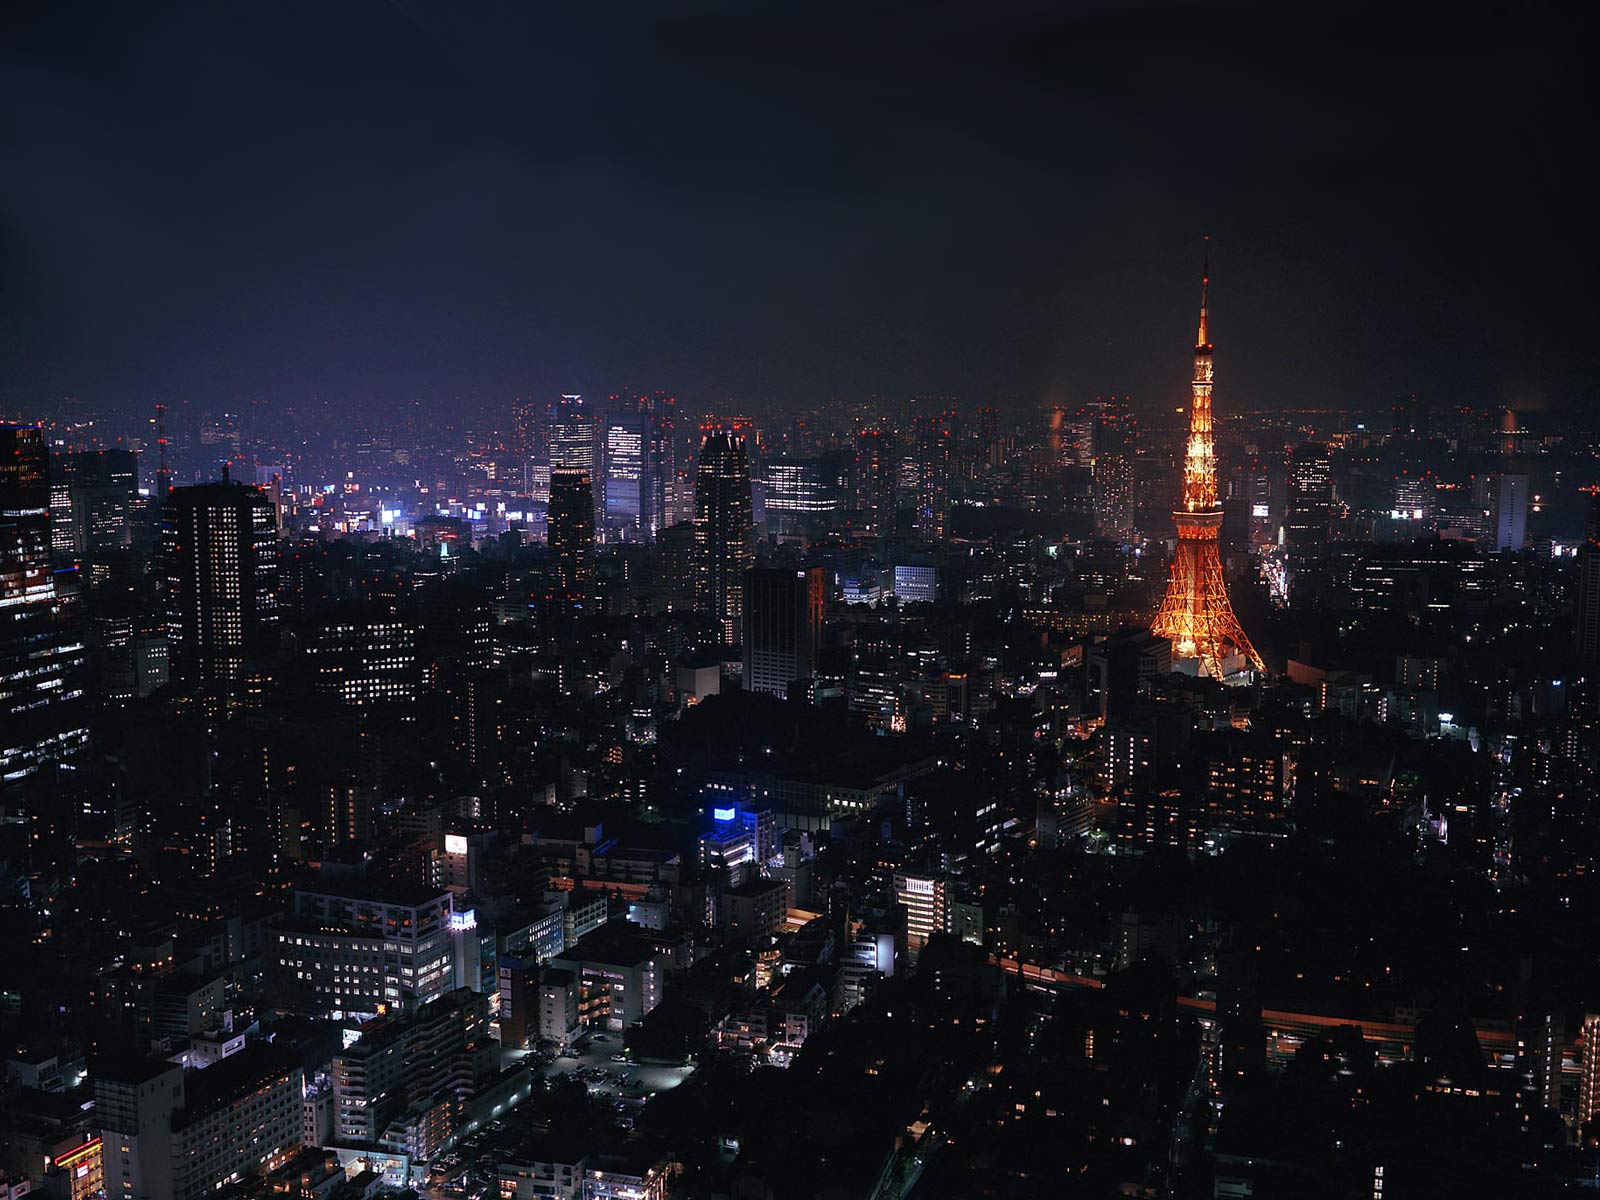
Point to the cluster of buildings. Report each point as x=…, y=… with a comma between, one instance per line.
x=610, y=803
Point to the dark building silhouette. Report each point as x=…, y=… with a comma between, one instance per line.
x=93, y=498
x=723, y=528
x=783, y=610
x=571, y=524
x=220, y=546
x=875, y=479
x=1308, y=516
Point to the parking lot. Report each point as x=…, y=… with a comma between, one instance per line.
x=595, y=1063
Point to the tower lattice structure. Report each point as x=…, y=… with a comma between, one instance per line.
x=1196, y=615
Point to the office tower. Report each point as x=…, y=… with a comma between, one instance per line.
x=915, y=582
x=660, y=466
x=875, y=479
x=529, y=427
x=624, y=502
x=1509, y=511
x=798, y=493
x=220, y=545
x=362, y=657
x=932, y=476
x=571, y=536
x=1586, y=612
x=1308, y=514
x=1307, y=520
x=42, y=717
x=576, y=441
x=1114, y=436
x=723, y=527
x=93, y=496
x=783, y=611
x=1196, y=615
x=1414, y=497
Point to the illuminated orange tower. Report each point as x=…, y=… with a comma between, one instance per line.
x=1196, y=616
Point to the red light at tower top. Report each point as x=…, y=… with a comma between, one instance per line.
x=1196, y=615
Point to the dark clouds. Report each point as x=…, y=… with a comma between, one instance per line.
x=370, y=201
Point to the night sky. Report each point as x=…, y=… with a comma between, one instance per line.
x=755, y=204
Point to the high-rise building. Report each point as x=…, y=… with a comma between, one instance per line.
x=220, y=545
x=576, y=441
x=1196, y=615
x=933, y=476
x=660, y=466
x=626, y=437
x=1308, y=514
x=93, y=496
x=529, y=427
x=1509, y=511
x=571, y=526
x=783, y=610
x=1307, y=520
x=798, y=492
x=42, y=717
x=362, y=656
x=723, y=527
x=574, y=437
x=875, y=479
x=1114, y=438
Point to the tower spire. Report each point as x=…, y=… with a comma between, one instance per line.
x=1196, y=616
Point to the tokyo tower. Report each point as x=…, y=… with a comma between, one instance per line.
x=1196, y=616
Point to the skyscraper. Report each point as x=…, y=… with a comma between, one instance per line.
x=798, y=492
x=41, y=654
x=1196, y=615
x=574, y=438
x=1307, y=520
x=625, y=439
x=723, y=527
x=93, y=495
x=875, y=479
x=1114, y=434
x=576, y=441
x=571, y=535
x=783, y=610
x=933, y=475
x=220, y=545
x=660, y=466
x=1509, y=495
x=1310, y=500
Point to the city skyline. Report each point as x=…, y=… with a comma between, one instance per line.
x=654, y=603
